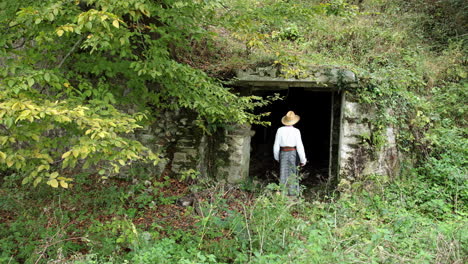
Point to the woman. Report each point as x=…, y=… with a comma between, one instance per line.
x=287, y=148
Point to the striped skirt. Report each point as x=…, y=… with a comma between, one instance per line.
x=289, y=174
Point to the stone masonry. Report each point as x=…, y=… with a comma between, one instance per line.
x=226, y=156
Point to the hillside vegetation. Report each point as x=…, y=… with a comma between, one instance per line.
x=79, y=77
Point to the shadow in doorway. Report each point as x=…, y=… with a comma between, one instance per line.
x=314, y=108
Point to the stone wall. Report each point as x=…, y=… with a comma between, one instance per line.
x=236, y=147
x=226, y=155
x=361, y=154
x=185, y=148
x=357, y=151
x=178, y=141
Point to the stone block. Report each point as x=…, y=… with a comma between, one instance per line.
x=350, y=140
x=355, y=110
x=176, y=168
x=352, y=110
x=185, y=143
x=348, y=76
x=322, y=79
x=160, y=166
x=355, y=129
x=235, y=176
x=147, y=138
x=224, y=147
x=391, y=138
x=333, y=76
x=179, y=157
x=191, y=152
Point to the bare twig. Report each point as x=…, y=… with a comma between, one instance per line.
x=20, y=45
x=248, y=232
x=54, y=243
x=70, y=52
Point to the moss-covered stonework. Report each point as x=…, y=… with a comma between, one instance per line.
x=360, y=155
x=319, y=78
x=237, y=147
x=352, y=155
x=225, y=155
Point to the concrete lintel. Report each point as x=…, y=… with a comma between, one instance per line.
x=318, y=79
x=283, y=84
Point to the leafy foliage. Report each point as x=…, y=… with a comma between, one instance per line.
x=411, y=63
x=385, y=226
x=79, y=75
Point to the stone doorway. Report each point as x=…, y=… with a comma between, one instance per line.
x=320, y=127
x=319, y=98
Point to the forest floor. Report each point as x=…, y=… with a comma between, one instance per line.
x=136, y=220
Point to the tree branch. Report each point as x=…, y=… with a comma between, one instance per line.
x=70, y=52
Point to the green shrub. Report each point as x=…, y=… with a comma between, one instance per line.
x=167, y=251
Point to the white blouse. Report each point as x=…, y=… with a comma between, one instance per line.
x=289, y=136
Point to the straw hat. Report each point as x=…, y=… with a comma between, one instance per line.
x=290, y=119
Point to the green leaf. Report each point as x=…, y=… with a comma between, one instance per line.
x=30, y=81
x=54, y=175
x=66, y=154
x=53, y=182
x=25, y=180
x=115, y=23
x=37, y=181
x=64, y=184
x=42, y=167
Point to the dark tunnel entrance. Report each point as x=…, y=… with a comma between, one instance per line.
x=319, y=126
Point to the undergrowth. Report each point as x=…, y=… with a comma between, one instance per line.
x=227, y=225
